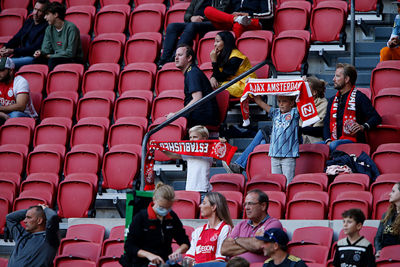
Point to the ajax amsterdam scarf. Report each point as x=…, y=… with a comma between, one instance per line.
x=298, y=87
x=201, y=148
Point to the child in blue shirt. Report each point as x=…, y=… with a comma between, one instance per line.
x=284, y=146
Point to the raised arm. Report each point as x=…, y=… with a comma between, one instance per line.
x=13, y=223
x=261, y=103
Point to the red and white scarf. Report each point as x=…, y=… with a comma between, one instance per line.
x=349, y=116
x=298, y=87
x=201, y=148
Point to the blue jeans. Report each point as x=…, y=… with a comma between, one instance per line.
x=257, y=140
x=21, y=61
x=335, y=143
x=285, y=166
x=187, y=33
x=16, y=114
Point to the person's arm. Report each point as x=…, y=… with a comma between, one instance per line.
x=221, y=238
x=180, y=236
x=189, y=11
x=267, y=10
x=196, y=96
x=229, y=69
x=34, y=45
x=172, y=155
x=378, y=239
x=13, y=223
x=20, y=104
x=73, y=41
x=47, y=46
x=261, y=103
x=371, y=256
x=240, y=245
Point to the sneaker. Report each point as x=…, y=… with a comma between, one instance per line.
x=232, y=168
x=243, y=20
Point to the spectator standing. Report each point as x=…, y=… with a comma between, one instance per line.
x=196, y=87
x=207, y=240
x=152, y=230
x=349, y=113
x=198, y=168
x=195, y=23
x=392, y=50
x=354, y=250
x=62, y=41
x=389, y=228
x=37, y=243
x=248, y=15
x=242, y=241
x=15, y=99
x=29, y=38
x=274, y=245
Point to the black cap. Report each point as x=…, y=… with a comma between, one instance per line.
x=275, y=235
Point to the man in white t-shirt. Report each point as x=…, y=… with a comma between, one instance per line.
x=15, y=100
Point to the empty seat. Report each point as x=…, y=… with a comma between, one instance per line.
x=70, y=3
x=53, y=130
x=387, y=101
x=385, y=75
x=48, y=180
x=37, y=186
x=95, y=104
x=169, y=78
x=11, y=176
x=65, y=261
x=4, y=210
x=350, y=200
x=111, y=2
x=381, y=205
x=65, y=77
x=312, y=158
x=176, y=13
x=127, y=130
x=223, y=105
x=310, y=253
x=133, y=103
x=312, y=235
x=111, y=19
x=142, y=47
x=10, y=23
x=91, y=130
x=106, y=48
x=186, y=204
x=277, y=204
x=342, y=183
x=11, y=161
x=292, y=15
x=234, y=200
x=290, y=50
x=120, y=166
x=354, y=148
x=82, y=16
x=227, y=182
x=389, y=254
x=307, y=182
x=206, y=44
x=59, y=104
x=30, y=198
x=45, y=158
x=137, y=76
x=147, y=18
x=100, y=76
x=258, y=162
x=256, y=45
x=167, y=102
x=15, y=4
x=308, y=205
x=383, y=134
x=83, y=250
x=36, y=75
x=83, y=232
x=386, y=157
x=82, y=160
x=383, y=185
x=17, y=131
x=267, y=182
x=328, y=20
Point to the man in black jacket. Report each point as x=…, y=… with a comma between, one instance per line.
x=28, y=39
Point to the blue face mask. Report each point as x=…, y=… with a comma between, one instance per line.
x=162, y=211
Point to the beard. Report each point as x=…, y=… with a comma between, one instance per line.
x=338, y=86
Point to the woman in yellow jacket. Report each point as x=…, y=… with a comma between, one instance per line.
x=228, y=62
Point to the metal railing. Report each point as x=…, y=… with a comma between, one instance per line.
x=185, y=111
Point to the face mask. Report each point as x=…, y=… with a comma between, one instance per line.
x=161, y=211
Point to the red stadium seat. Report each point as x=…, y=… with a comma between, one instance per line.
x=59, y=104
x=65, y=77
x=312, y=235
x=186, y=204
x=91, y=130
x=169, y=78
x=15, y=4
x=206, y=44
x=112, y=2
x=306, y=182
x=113, y=248
x=45, y=158
x=386, y=156
x=101, y=76
x=133, y=103
x=292, y=15
x=82, y=16
x=227, y=182
x=142, y=47
x=120, y=166
x=354, y=148
x=387, y=101
x=83, y=250
x=383, y=185
x=36, y=75
x=4, y=210
x=64, y=261
x=308, y=205
x=348, y=200
x=70, y=3
x=277, y=204
x=46, y=178
x=380, y=207
x=223, y=106
x=30, y=198
x=383, y=134
x=17, y=131
x=267, y=182
x=312, y=158
x=328, y=20
x=137, y=76
x=83, y=233
x=258, y=162
x=290, y=50
x=38, y=186
x=256, y=45
x=111, y=19
x=385, y=75
x=107, y=48
x=53, y=130
x=10, y=24
x=310, y=253
x=95, y=104
x=127, y=130
x=167, y=102
x=81, y=161
x=11, y=161
x=11, y=176
x=176, y=13
x=344, y=183
x=389, y=254
x=366, y=6
x=147, y=18
x=235, y=202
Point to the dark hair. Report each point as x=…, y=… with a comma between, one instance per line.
x=391, y=211
x=43, y=2
x=262, y=197
x=355, y=214
x=229, y=45
x=317, y=85
x=349, y=71
x=237, y=262
x=189, y=51
x=54, y=8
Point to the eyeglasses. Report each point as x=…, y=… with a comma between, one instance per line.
x=271, y=236
x=250, y=203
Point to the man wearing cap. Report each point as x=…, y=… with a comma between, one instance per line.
x=392, y=50
x=15, y=100
x=242, y=241
x=274, y=245
x=29, y=38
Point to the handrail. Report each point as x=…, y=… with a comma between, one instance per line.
x=185, y=111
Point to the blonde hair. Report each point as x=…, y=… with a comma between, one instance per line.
x=222, y=210
x=389, y=214
x=164, y=191
x=200, y=129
